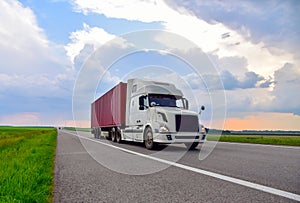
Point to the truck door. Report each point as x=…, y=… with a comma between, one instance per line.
x=139, y=117
x=130, y=133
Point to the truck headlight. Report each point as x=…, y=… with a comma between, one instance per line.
x=163, y=129
x=203, y=129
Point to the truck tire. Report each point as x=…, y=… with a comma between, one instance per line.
x=113, y=135
x=191, y=146
x=148, y=138
x=100, y=135
x=118, y=136
x=96, y=133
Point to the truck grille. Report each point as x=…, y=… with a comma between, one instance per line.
x=186, y=123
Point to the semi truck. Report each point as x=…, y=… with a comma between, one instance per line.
x=146, y=111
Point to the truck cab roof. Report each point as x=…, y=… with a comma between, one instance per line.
x=152, y=87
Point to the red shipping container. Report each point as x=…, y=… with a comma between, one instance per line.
x=110, y=109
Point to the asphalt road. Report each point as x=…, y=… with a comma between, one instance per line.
x=92, y=170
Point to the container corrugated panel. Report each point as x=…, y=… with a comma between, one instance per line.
x=110, y=108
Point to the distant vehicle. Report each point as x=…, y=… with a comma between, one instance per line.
x=146, y=111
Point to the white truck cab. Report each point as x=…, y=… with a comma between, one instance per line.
x=157, y=112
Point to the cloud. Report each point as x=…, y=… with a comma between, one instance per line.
x=86, y=37
x=249, y=100
x=133, y=10
x=286, y=89
x=92, y=50
x=250, y=80
x=230, y=81
x=208, y=36
x=30, y=64
x=281, y=95
x=236, y=65
x=38, y=85
x=252, y=17
x=35, y=75
x=266, y=83
x=92, y=59
x=24, y=46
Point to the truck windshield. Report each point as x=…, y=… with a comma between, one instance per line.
x=165, y=100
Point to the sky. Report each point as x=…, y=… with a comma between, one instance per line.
x=240, y=59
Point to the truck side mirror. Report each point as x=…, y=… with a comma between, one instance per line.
x=141, y=102
x=202, y=108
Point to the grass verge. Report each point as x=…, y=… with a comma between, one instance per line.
x=77, y=129
x=27, y=162
x=258, y=139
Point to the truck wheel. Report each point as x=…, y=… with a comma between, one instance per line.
x=100, y=135
x=96, y=133
x=113, y=135
x=148, y=138
x=118, y=136
x=191, y=146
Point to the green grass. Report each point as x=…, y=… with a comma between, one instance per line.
x=27, y=162
x=258, y=139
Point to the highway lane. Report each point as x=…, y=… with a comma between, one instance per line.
x=273, y=166
x=270, y=166
x=79, y=178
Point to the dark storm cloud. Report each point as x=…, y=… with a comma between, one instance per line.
x=275, y=22
x=249, y=80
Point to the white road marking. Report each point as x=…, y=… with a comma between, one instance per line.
x=258, y=145
x=248, y=184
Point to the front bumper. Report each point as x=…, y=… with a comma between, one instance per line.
x=180, y=137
